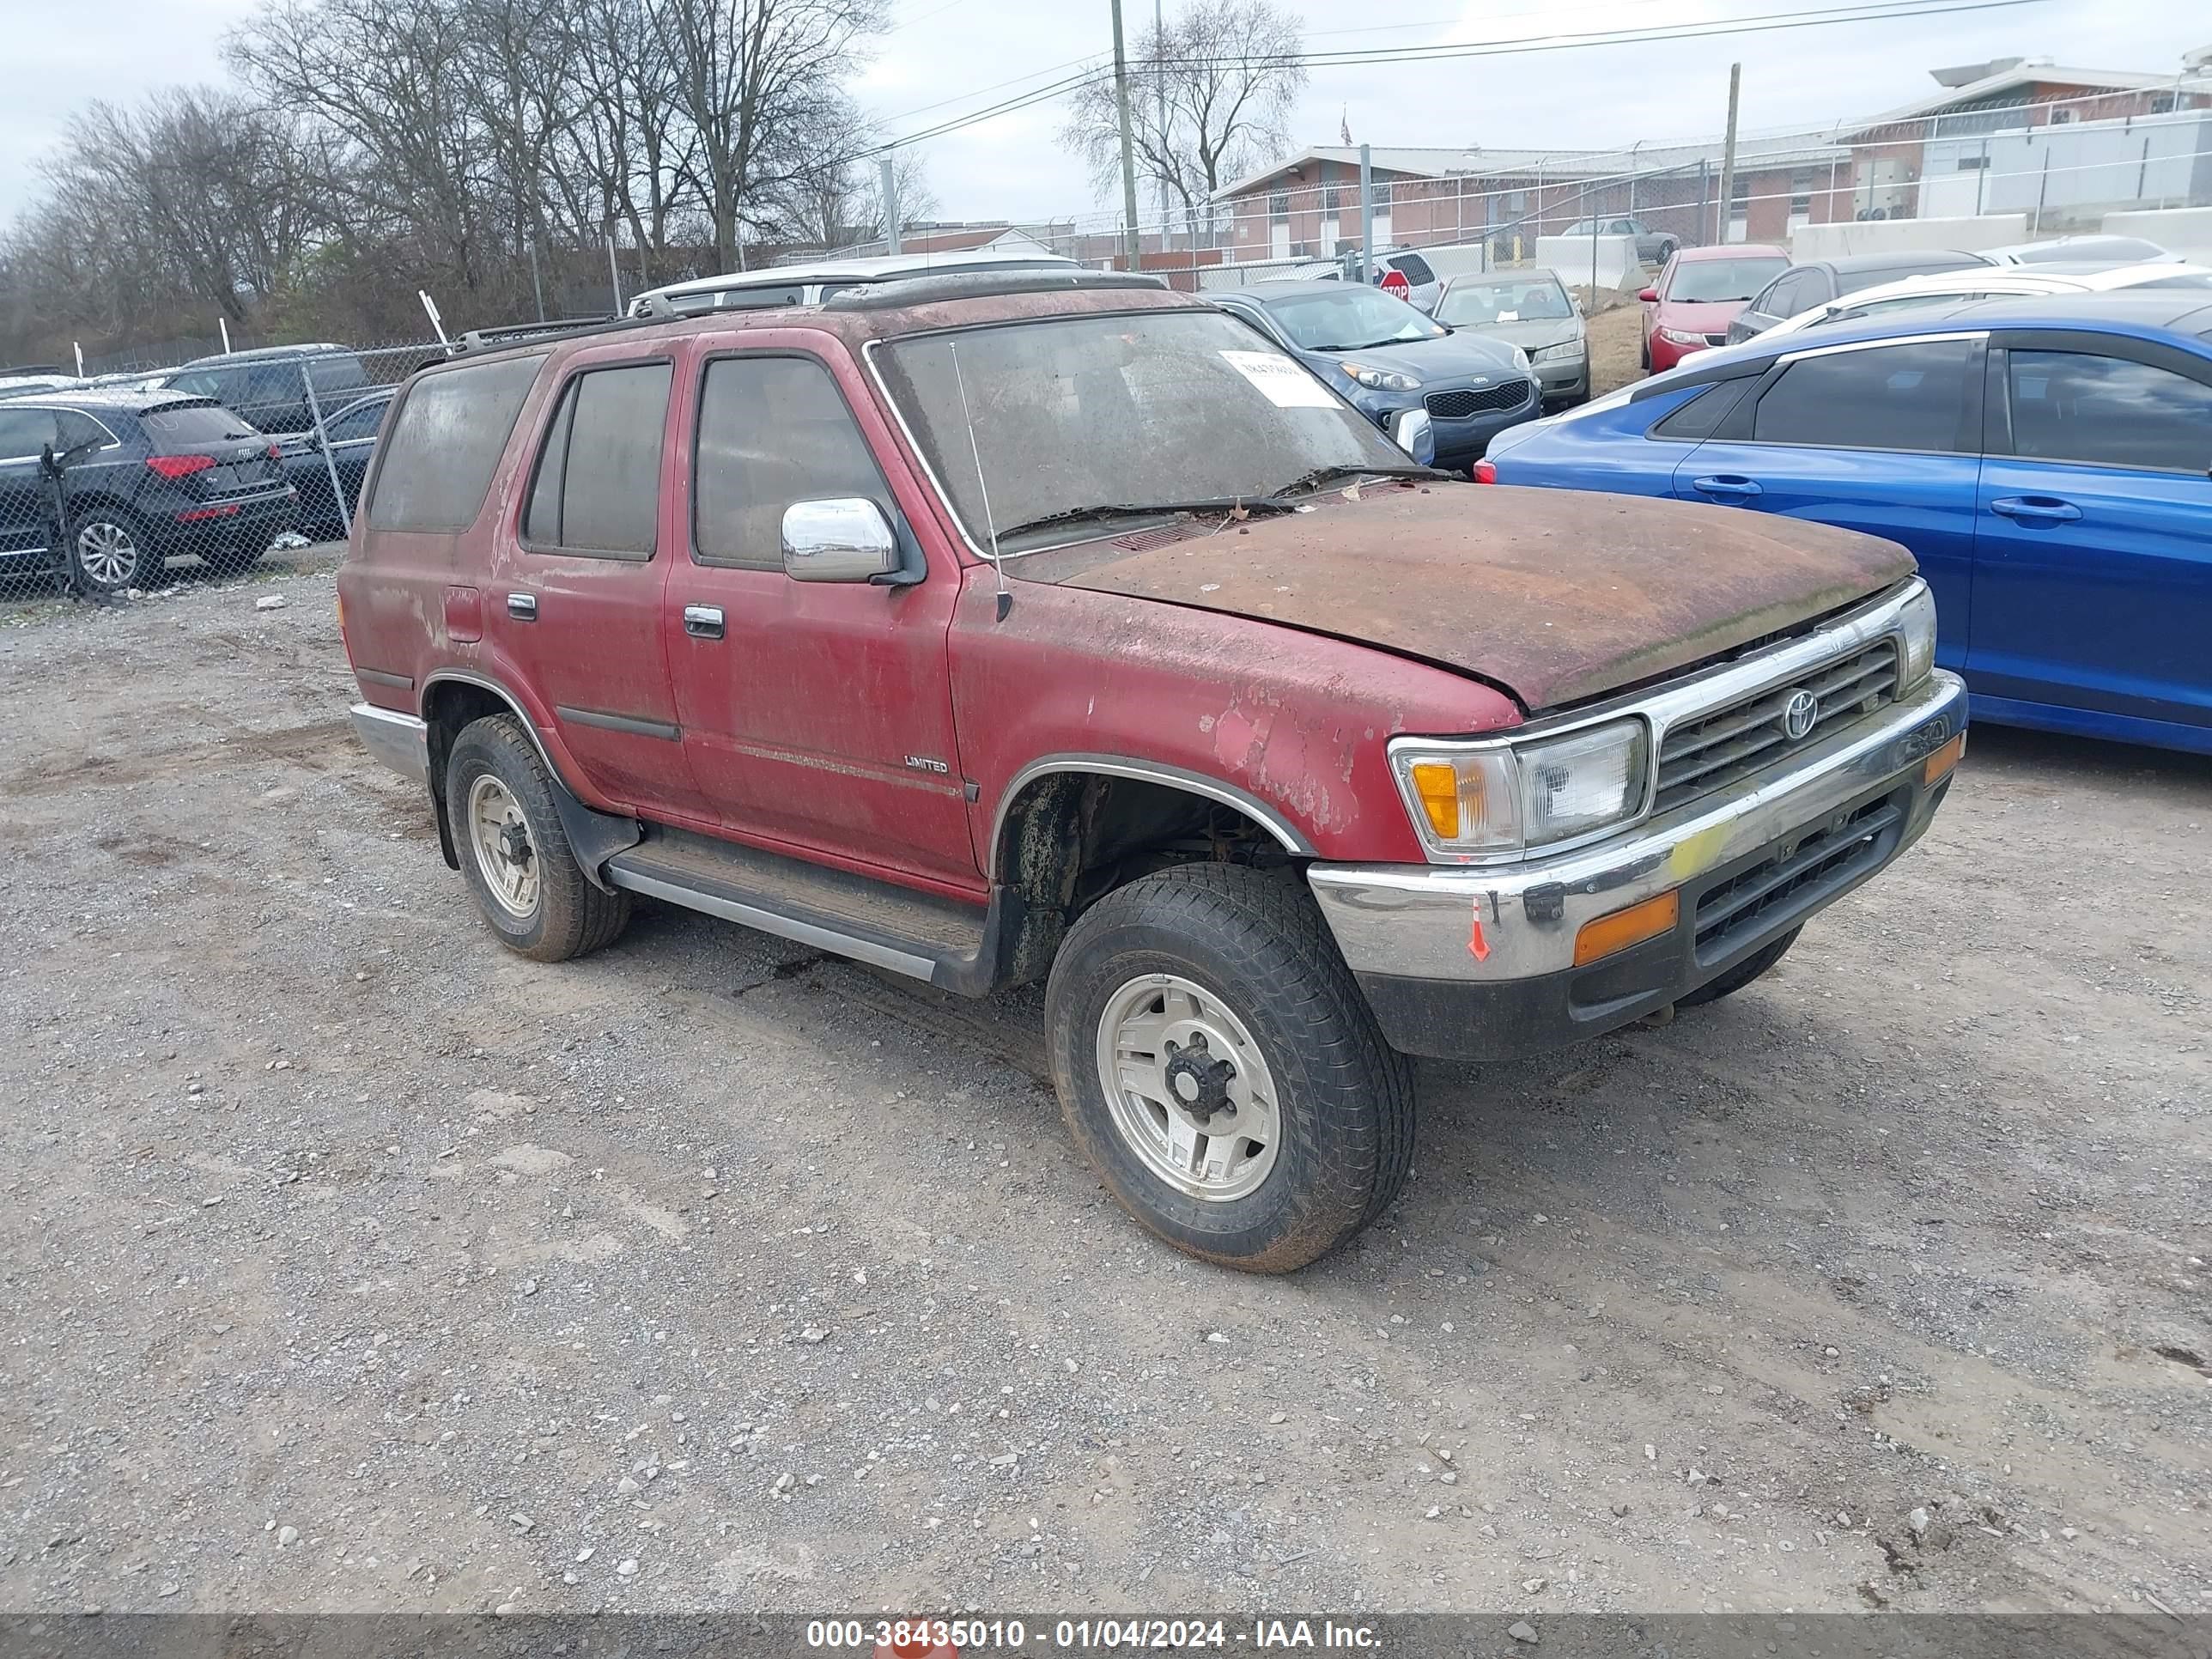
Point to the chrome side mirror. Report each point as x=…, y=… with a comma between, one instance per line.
x=843, y=540
x=1411, y=432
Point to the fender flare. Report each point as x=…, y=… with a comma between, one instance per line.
x=1292, y=839
x=593, y=836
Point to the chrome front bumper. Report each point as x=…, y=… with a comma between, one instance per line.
x=1506, y=927
x=400, y=741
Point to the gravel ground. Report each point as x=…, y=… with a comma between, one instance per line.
x=1616, y=345
x=350, y=1263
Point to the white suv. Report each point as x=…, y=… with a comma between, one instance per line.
x=1989, y=283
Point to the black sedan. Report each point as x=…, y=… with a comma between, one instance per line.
x=1388, y=359
x=351, y=433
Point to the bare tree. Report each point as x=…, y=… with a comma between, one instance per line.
x=1210, y=96
x=755, y=81
x=840, y=201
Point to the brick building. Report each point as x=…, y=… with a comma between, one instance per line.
x=1894, y=153
x=1309, y=206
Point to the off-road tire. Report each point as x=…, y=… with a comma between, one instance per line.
x=1743, y=974
x=572, y=918
x=1256, y=940
x=145, y=571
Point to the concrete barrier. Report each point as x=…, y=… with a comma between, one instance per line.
x=1450, y=260
x=1907, y=235
x=1591, y=261
x=2185, y=231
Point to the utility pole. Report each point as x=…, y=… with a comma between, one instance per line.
x=1728, y=156
x=1128, y=159
x=1160, y=109
x=890, y=205
x=1366, y=218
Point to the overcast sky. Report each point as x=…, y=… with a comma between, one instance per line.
x=957, y=55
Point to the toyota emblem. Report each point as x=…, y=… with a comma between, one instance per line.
x=1799, y=714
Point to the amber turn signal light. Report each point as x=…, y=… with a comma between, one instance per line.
x=1436, y=783
x=1623, y=928
x=1939, y=764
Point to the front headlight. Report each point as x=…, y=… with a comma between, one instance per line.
x=1520, y=360
x=1509, y=798
x=1381, y=379
x=1552, y=353
x=1681, y=336
x=1918, y=625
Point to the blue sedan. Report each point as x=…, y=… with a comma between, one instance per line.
x=2049, y=461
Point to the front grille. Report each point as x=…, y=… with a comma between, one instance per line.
x=1705, y=754
x=1795, y=878
x=1471, y=401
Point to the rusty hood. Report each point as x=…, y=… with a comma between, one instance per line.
x=1556, y=595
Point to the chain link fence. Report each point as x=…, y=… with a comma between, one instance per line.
x=125, y=481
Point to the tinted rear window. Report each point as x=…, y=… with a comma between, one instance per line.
x=597, y=489
x=194, y=423
x=1415, y=267
x=449, y=435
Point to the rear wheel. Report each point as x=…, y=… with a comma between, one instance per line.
x=1743, y=974
x=110, y=552
x=1219, y=1067
x=514, y=854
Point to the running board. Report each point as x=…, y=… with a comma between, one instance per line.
x=950, y=945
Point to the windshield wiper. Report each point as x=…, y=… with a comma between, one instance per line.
x=1322, y=475
x=1224, y=504
x=1388, y=339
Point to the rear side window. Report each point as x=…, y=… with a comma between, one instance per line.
x=2108, y=411
x=1900, y=397
x=77, y=428
x=193, y=424
x=1702, y=416
x=1416, y=269
x=772, y=431
x=597, y=488
x=452, y=428
x=339, y=372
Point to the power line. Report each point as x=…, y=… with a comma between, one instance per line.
x=1863, y=11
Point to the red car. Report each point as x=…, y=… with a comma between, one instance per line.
x=1698, y=296
x=1041, y=627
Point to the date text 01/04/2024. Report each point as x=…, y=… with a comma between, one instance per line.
x=931, y=1638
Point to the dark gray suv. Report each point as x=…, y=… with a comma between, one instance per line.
x=163, y=476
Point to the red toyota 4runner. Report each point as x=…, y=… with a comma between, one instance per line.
x=998, y=627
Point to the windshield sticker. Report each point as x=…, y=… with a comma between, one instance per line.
x=1509, y=316
x=1286, y=385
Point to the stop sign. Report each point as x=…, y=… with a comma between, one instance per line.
x=1394, y=282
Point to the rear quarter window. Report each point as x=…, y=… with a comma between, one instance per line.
x=436, y=464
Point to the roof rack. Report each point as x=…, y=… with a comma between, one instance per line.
x=980, y=284
x=657, y=310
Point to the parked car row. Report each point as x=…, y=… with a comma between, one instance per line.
x=2046, y=458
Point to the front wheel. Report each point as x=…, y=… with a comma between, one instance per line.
x=514, y=854
x=1219, y=1068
